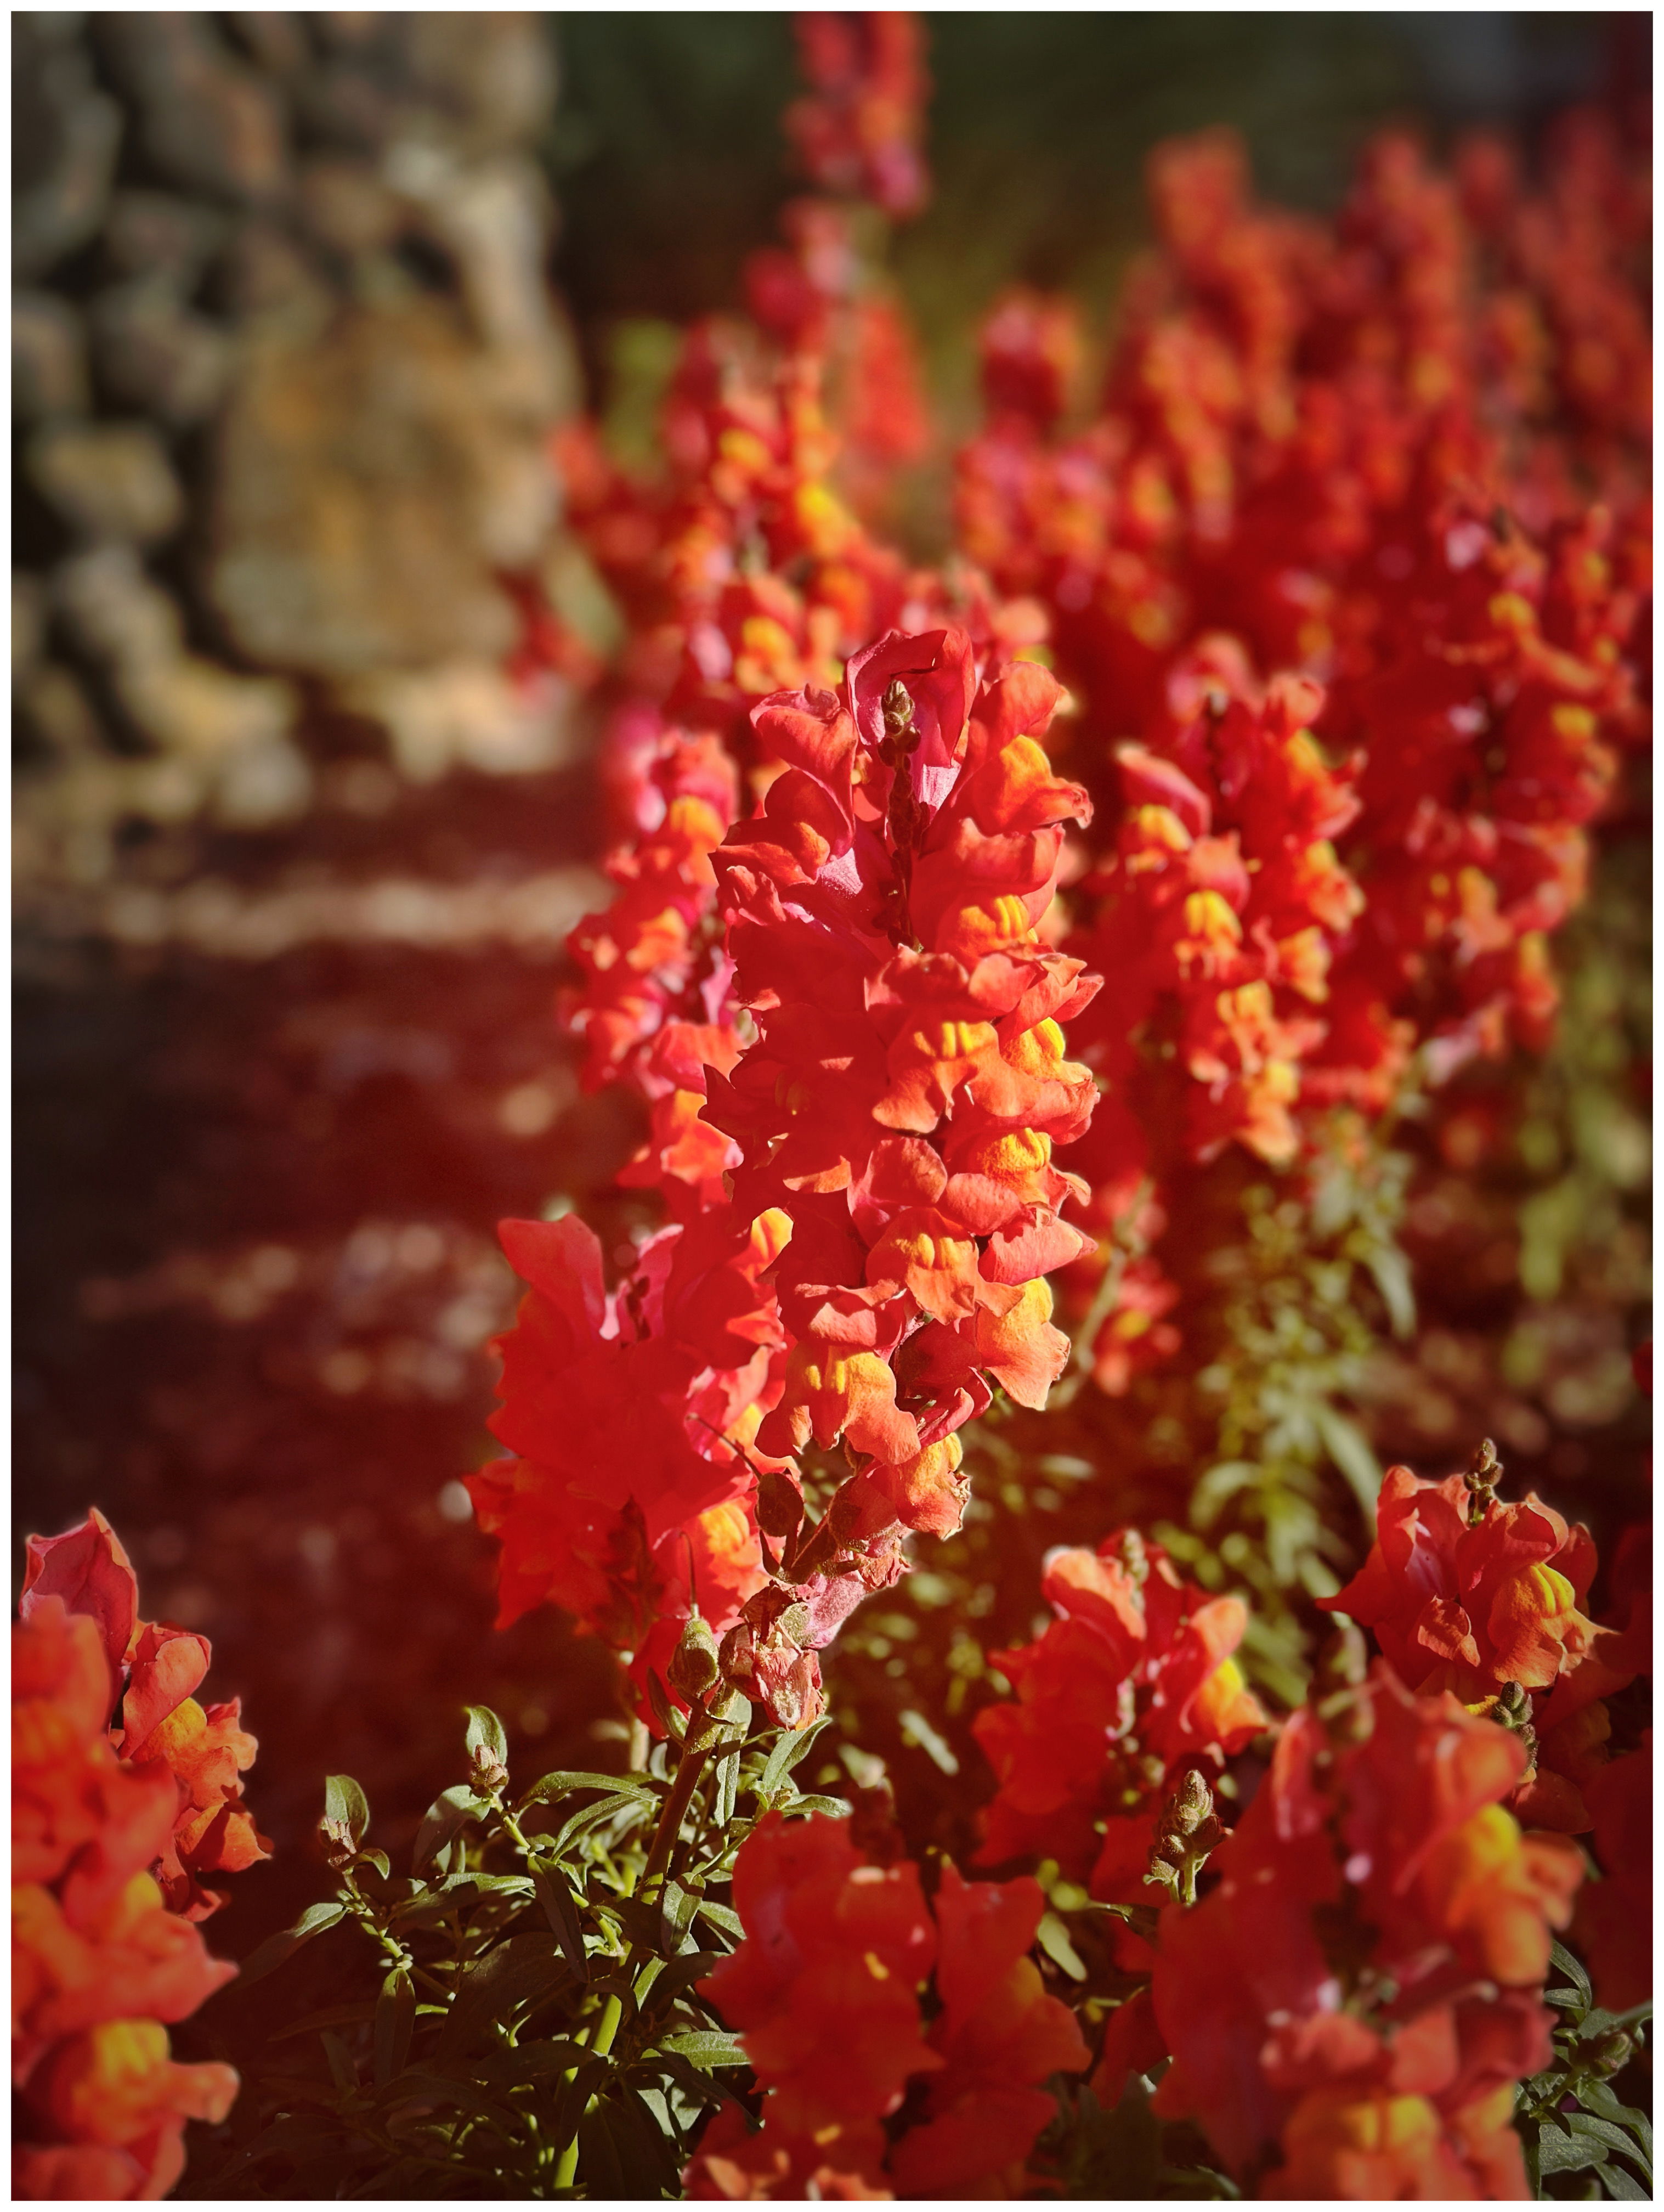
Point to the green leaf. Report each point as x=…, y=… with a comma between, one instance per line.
x=838, y=1807
x=705, y=2048
x=276, y=1948
x=1616, y=2138
x=448, y=1814
x=1217, y=1487
x=573, y=2096
x=721, y=1917
x=285, y=2137
x=598, y=1815
x=346, y=1806
x=784, y=1756
x=670, y=1718
x=341, y=2015
x=523, y=1969
x=342, y=2072
x=1599, y=2021
x=727, y=1779
x=648, y=2164
x=524, y=2063
x=600, y=2166
x=917, y=1730
x=565, y=1783
x=560, y=1911
x=670, y=1976
x=1600, y=2097
x=1618, y=2182
x=1349, y=1449
x=1558, y=2151
x=432, y=2089
x=1390, y=1269
x=1573, y=1969
x=395, y=2020
x=486, y=1734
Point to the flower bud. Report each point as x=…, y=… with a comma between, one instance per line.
x=1190, y=1805
x=694, y=1665
x=1483, y=1473
x=1613, y=2052
x=897, y=708
x=486, y=1772
x=1511, y=1708
x=338, y=1844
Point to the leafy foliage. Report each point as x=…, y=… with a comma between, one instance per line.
x=519, y=2014
x=1574, y=2123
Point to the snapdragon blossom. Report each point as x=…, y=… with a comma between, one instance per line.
x=1349, y=2008
x=1133, y=1682
x=1347, y=463
x=125, y=1792
x=824, y=1992
x=1467, y=1592
x=877, y=1263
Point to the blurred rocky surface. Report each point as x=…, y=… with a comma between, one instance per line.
x=294, y=851
x=285, y=360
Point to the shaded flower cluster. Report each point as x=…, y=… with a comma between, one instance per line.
x=1467, y=1593
x=1331, y=517
x=1349, y=2008
x=858, y=130
x=124, y=1790
x=628, y=1498
x=824, y=1992
x=1134, y=1682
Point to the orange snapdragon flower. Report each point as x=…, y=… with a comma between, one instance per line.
x=1351, y=2003
x=824, y=1995
x=1464, y=1591
x=1133, y=1680
x=99, y=1962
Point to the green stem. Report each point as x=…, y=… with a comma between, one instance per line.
x=665, y=1836
x=1105, y=1298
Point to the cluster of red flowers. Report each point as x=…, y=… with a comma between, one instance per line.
x=125, y=1792
x=869, y=1260
x=825, y=1994
x=1349, y=2008
x=858, y=129
x=838, y=1013
x=1465, y=1593
x=1325, y=581
x=1132, y=1683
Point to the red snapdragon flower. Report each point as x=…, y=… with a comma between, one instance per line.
x=100, y=1962
x=627, y=1412
x=1465, y=1592
x=858, y=130
x=1356, y=454
x=999, y=2036
x=1349, y=2007
x=1133, y=1681
x=155, y=1669
x=824, y=1993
